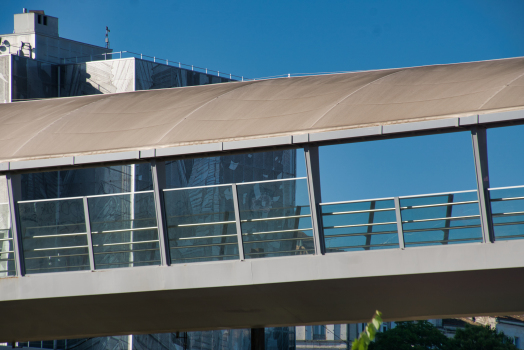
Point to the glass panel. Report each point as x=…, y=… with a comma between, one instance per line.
x=360, y=225
x=441, y=219
x=505, y=159
x=275, y=218
x=54, y=236
x=507, y=209
x=235, y=168
x=201, y=224
x=124, y=230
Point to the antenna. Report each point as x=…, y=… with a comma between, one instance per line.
x=107, y=37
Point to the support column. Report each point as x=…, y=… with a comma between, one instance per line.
x=258, y=339
x=238, y=224
x=89, y=236
x=313, y=182
x=480, y=154
x=14, y=189
x=158, y=170
x=400, y=228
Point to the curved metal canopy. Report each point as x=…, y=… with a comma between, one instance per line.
x=256, y=109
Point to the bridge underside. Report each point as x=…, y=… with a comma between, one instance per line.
x=415, y=283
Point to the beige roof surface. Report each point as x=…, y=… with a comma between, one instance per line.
x=256, y=109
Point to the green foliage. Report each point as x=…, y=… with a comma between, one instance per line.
x=419, y=335
x=366, y=337
x=481, y=338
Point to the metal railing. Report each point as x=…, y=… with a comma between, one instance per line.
x=507, y=208
x=129, y=54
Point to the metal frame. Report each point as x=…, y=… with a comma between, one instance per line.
x=238, y=223
x=158, y=171
x=400, y=229
x=89, y=237
x=313, y=182
x=480, y=154
x=14, y=193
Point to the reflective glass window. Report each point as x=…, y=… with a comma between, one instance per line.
x=360, y=180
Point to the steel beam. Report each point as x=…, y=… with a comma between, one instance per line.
x=313, y=182
x=480, y=154
x=238, y=224
x=14, y=190
x=158, y=170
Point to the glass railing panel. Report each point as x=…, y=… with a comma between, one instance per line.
x=201, y=224
x=507, y=210
x=54, y=235
x=7, y=255
x=436, y=219
x=124, y=230
x=359, y=225
x=275, y=218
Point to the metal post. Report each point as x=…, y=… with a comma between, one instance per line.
x=154, y=58
x=238, y=225
x=89, y=237
x=480, y=154
x=14, y=190
x=447, y=225
x=313, y=182
x=400, y=229
x=120, y=54
x=105, y=56
x=371, y=218
x=258, y=339
x=158, y=170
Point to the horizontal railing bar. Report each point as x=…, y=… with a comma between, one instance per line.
x=203, y=224
x=506, y=199
x=4, y=203
x=266, y=181
x=362, y=225
x=56, y=256
x=279, y=240
x=195, y=187
x=48, y=226
x=277, y=218
x=6, y=252
x=204, y=237
x=201, y=214
x=203, y=245
x=7, y=259
x=57, y=267
x=282, y=252
x=438, y=205
x=508, y=236
x=504, y=188
x=444, y=240
x=358, y=211
x=360, y=201
x=279, y=231
x=508, y=223
x=126, y=251
x=207, y=257
x=366, y=246
x=440, y=219
x=57, y=235
x=118, y=194
x=58, y=248
x=435, y=194
x=441, y=228
x=124, y=230
x=123, y=220
x=123, y=243
x=5, y=239
x=360, y=234
x=514, y=213
x=48, y=200
x=4, y=271
x=130, y=263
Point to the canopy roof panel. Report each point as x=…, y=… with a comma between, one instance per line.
x=256, y=109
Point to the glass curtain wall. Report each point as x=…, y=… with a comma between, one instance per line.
x=424, y=184
x=200, y=206
x=113, y=206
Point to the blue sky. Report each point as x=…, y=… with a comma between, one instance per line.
x=267, y=38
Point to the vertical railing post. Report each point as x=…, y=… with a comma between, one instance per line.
x=238, y=224
x=158, y=170
x=480, y=154
x=400, y=229
x=89, y=236
x=313, y=183
x=14, y=189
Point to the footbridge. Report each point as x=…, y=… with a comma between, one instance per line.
x=202, y=208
